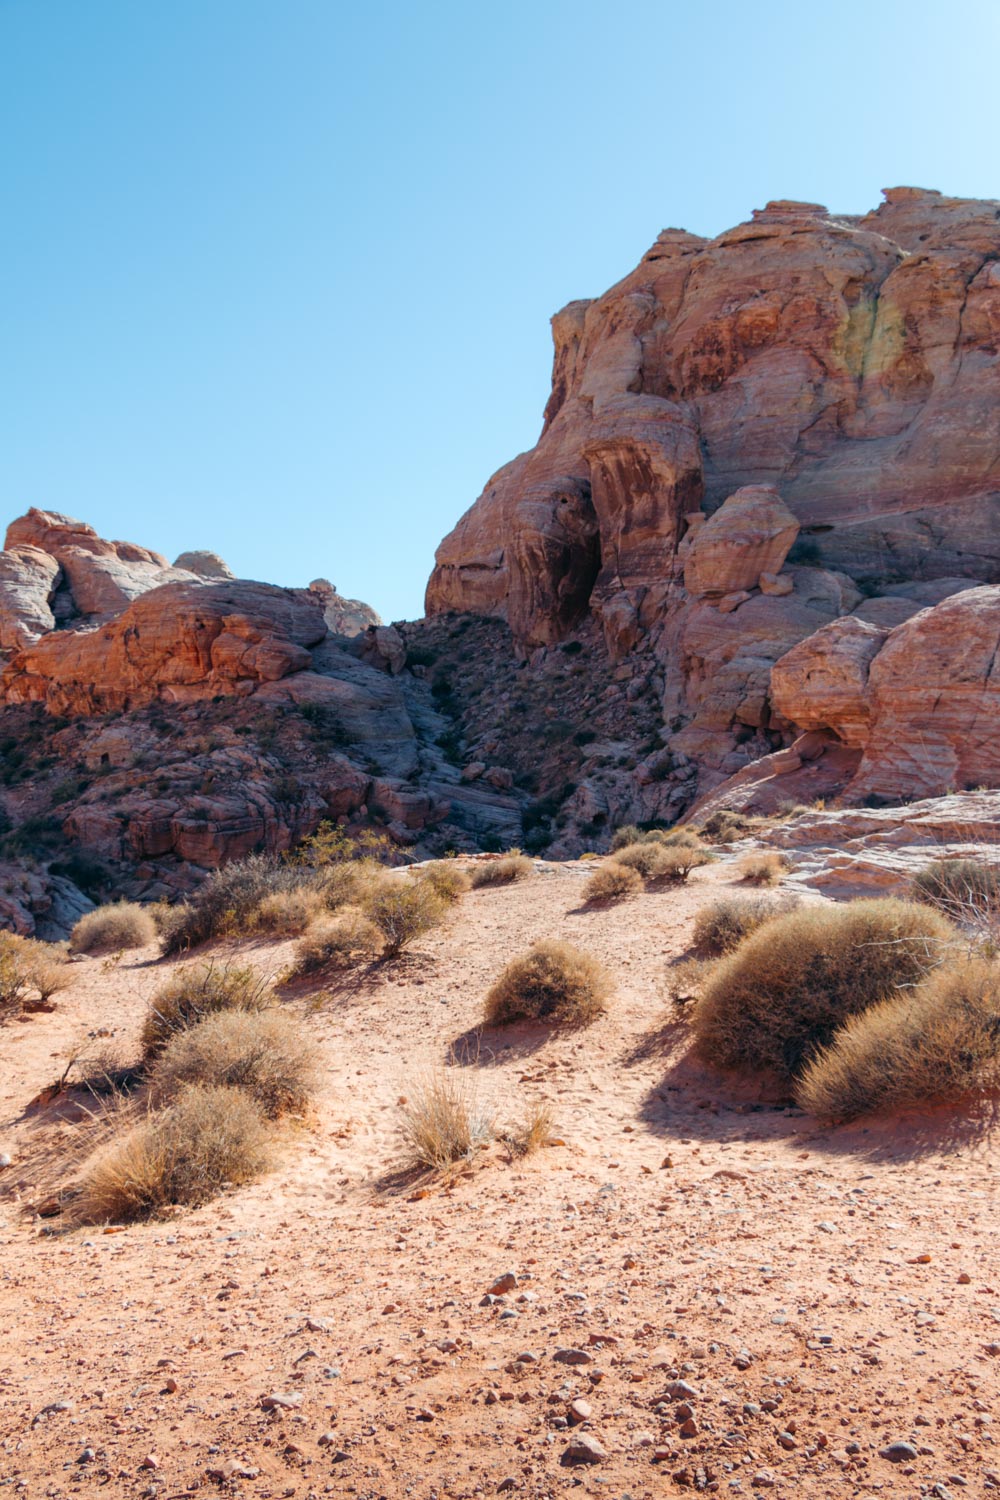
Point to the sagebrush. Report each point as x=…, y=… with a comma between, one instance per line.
x=938, y=1044
x=778, y=999
x=112, y=928
x=553, y=982
x=256, y=1051
x=209, y=1139
x=197, y=991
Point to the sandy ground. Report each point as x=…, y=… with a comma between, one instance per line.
x=824, y=1294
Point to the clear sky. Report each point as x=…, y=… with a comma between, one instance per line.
x=276, y=275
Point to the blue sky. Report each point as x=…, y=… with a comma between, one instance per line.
x=275, y=275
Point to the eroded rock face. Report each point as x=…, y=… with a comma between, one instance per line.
x=748, y=439
x=240, y=715
x=851, y=362
x=175, y=643
x=28, y=579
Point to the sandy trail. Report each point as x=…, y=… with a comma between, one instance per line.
x=824, y=1293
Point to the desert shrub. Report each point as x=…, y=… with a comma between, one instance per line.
x=443, y=1121
x=726, y=825
x=958, y=886
x=209, y=1139
x=254, y=1051
x=503, y=871
x=629, y=833
x=774, y=1002
x=109, y=929
x=554, y=982
x=612, y=882
x=681, y=859
x=331, y=845
x=722, y=925
x=447, y=878
x=683, y=836
x=195, y=992
x=939, y=1043
x=286, y=913
x=403, y=909
x=336, y=941
x=227, y=899
x=29, y=970
x=345, y=884
x=762, y=867
x=648, y=860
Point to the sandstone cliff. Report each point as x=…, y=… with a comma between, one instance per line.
x=783, y=440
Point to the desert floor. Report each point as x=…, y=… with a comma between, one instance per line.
x=824, y=1293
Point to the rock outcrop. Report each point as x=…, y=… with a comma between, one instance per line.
x=749, y=439
x=158, y=721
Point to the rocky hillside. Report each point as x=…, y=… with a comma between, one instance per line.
x=159, y=720
x=770, y=476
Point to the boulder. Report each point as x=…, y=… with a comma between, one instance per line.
x=935, y=702
x=204, y=565
x=822, y=683
x=750, y=534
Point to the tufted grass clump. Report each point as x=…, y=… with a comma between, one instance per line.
x=502, y=871
x=227, y=901
x=723, y=924
x=612, y=882
x=727, y=825
x=553, y=982
x=255, y=1051
x=776, y=1001
x=209, y=1139
x=286, y=913
x=649, y=860
x=197, y=991
x=937, y=1044
x=112, y=928
x=443, y=1120
x=681, y=859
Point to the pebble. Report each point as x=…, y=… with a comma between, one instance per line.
x=280, y=1401
x=326, y=1439
x=764, y=1479
x=681, y=1391
x=5, y=1160
x=505, y=1283
x=584, y=1449
x=579, y=1411
x=898, y=1453
x=573, y=1357
x=87, y=1456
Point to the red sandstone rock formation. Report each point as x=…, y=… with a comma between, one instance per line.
x=842, y=372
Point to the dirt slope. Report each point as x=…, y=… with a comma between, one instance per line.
x=853, y=1273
